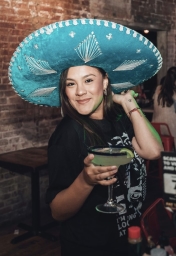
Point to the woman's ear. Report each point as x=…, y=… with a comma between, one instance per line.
x=105, y=83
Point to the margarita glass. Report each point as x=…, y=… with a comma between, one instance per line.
x=108, y=156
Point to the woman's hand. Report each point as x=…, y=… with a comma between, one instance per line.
x=98, y=174
x=125, y=98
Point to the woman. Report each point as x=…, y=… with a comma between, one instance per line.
x=165, y=102
x=82, y=54
x=92, y=116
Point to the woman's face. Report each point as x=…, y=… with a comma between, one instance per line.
x=84, y=89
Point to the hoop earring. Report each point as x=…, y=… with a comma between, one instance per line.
x=105, y=92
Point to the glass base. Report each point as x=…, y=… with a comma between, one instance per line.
x=109, y=208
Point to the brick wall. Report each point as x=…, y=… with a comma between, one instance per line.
x=158, y=15
x=24, y=125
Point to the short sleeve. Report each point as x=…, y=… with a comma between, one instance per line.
x=65, y=159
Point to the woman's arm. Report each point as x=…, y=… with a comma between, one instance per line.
x=147, y=142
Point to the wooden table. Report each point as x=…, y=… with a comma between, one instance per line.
x=31, y=160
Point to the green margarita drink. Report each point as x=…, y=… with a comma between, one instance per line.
x=109, y=156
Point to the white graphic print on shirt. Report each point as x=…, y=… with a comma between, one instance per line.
x=135, y=183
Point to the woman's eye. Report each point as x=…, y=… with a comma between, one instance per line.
x=89, y=80
x=70, y=84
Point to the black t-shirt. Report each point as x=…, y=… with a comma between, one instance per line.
x=66, y=152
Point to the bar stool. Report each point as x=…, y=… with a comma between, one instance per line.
x=168, y=144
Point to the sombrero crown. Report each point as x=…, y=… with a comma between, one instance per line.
x=128, y=57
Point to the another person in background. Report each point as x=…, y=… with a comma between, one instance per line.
x=165, y=102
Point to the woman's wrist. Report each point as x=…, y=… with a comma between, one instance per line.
x=138, y=110
x=130, y=105
x=133, y=109
x=84, y=181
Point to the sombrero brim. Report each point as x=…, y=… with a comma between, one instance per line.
x=36, y=65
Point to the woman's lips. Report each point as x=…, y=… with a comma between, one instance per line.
x=83, y=101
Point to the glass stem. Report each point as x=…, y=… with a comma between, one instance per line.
x=110, y=193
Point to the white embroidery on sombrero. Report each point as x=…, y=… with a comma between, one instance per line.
x=42, y=31
x=60, y=24
x=113, y=25
x=121, y=27
x=72, y=34
x=67, y=23
x=151, y=45
x=91, y=21
x=129, y=65
x=146, y=41
x=89, y=48
x=157, y=54
x=18, y=50
x=39, y=67
x=109, y=36
x=75, y=22
x=36, y=33
x=122, y=85
x=106, y=23
x=42, y=92
x=49, y=30
x=138, y=50
x=98, y=22
x=135, y=34
x=141, y=38
x=83, y=21
x=128, y=31
x=160, y=60
x=25, y=40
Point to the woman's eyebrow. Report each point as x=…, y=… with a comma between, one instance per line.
x=82, y=77
x=89, y=75
x=69, y=79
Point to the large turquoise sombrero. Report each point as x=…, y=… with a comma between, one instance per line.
x=35, y=67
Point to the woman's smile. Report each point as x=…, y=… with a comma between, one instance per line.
x=83, y=101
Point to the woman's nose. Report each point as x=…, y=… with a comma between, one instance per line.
x=80, y=90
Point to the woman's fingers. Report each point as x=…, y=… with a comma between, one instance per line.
x=88, y=160
x=98, y=174
x=108, y=182
x=124, y=92
x=108, y=174
x=133, y=93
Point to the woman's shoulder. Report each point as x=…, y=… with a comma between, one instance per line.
x=68, y=124
x=66, y=129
